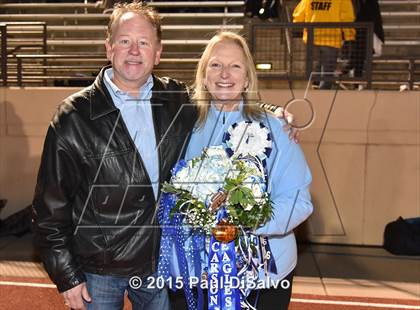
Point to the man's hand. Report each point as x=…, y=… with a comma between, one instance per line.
x=74, y=297
x=279, y=112
x=293, y=131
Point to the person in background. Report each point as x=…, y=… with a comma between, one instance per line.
x=366, y=11
x=327, y=41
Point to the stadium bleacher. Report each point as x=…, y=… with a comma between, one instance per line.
x=66, y=40
x=77, y=30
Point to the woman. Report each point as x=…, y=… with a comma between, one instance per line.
x=226, y=93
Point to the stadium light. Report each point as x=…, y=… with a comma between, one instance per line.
x=264, y=66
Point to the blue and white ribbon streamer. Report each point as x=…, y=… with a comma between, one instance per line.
x=248, y=141
x=222, y=273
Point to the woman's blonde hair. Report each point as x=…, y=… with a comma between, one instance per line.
x=250, y=95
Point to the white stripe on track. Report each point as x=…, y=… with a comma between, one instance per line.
x=353, y=303
x=11, y=283
x=297, y=300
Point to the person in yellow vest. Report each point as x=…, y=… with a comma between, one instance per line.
x=327, y=41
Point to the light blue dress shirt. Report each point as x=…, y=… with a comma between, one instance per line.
x=138, y=118
x=288, y=184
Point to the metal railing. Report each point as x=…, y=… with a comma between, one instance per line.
x=277, y=43
x=44, y=57
x=7, y=52
x=178, y=4
x=411, y=70
x=271, y=43
x=3, y=43
x=70, y=68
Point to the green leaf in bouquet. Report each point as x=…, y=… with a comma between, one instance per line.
x=232, y=212
x=247, y=192
x=230, y=184
x=240, y=195
x=169, y=188
x=236, y=196
x=196, y=160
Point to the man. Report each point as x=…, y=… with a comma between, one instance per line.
x=328, y=41
x=365, y=11
x=107, y=150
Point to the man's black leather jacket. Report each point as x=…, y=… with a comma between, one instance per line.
x=94, y=209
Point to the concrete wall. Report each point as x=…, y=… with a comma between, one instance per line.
x=365, y=163
x=24, y=117
x=366, y=171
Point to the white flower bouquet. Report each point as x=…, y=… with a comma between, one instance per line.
x=241, y=180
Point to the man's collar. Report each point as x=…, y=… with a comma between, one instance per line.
x=108, y=75
x=101, y=101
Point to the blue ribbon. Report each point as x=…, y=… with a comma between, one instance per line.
x=172, y=232
x=222, y=274
x=222, y=260
x=270, y=259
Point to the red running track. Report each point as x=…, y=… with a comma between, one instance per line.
x=37, y=293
